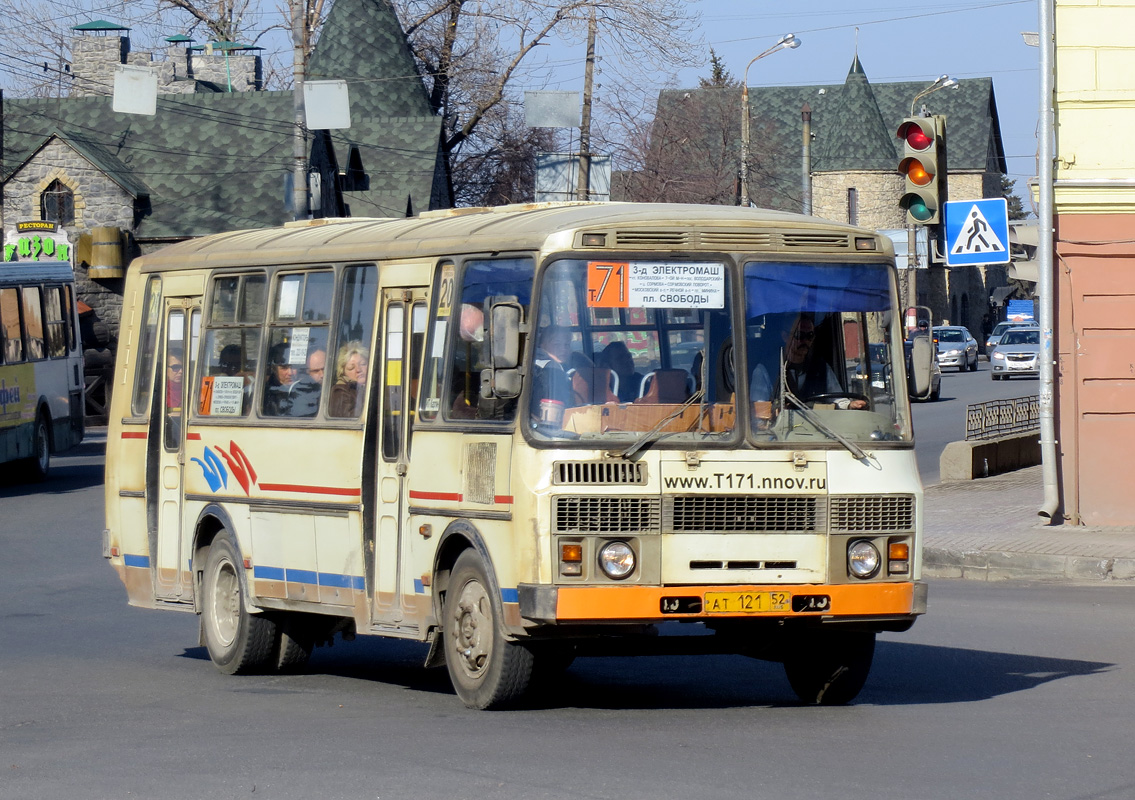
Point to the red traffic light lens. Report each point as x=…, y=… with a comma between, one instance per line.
x=916, y=138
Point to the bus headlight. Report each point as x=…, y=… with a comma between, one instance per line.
x=617, y=560
x=863, y=559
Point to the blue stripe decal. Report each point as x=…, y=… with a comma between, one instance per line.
x=301, y=576
x=268, y=573
x=510, y=596
x=136, y=561
x=331, y=580
x=419, y=588
x=335, y=581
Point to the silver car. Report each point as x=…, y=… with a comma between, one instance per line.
x=956, y=347
x=1018, y=353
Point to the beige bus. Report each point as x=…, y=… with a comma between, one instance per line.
x=522, y=435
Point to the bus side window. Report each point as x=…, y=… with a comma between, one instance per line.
x=13, y=340
x=56, y=323
x=33, y=323
x=431, y=387
x=147, y=347
x=237, y=306
x=352, y=355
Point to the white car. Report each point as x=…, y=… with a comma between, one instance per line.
x=1018, y=353
x=999, y=330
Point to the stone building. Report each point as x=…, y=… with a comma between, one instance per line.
x=695, y=153
x=218, y=153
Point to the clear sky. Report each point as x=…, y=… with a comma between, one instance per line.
x=897, y=41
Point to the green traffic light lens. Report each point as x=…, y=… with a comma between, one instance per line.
x=919, y=211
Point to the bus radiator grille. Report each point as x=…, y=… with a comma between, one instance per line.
x=606, y=514
x=872, y=514
x=598, y=473
x=743, y=514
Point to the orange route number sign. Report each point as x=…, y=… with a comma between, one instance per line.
x=608, y=284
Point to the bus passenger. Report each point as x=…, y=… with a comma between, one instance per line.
x=308, y=388
x=281, y=376
x=174, y=375
x=553, y=350
x=346, y=398
x=617, y=358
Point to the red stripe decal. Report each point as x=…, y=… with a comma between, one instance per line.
x=290, y=487
x=133, y=434
x=193, y=437
x=454, y=497
x=503, y=499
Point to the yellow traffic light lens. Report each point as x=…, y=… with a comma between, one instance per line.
x=918, y=175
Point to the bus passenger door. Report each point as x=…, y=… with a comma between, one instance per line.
x=182, y=330
x=401, y=343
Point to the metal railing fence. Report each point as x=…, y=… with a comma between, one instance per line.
x=996, y=418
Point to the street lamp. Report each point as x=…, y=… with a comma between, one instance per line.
x=943, y=82
x=789, y=42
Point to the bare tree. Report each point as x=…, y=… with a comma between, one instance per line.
x=472, y=54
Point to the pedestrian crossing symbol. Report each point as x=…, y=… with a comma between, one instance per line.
x=977, y=232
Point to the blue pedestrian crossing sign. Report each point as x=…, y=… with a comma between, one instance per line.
x=977, y=232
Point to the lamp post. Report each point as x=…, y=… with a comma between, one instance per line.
x=790, y=42
x=943, y=82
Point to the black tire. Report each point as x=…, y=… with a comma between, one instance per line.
x=238, y=642
x=973, y=366
x=487, y=670
x=39, y=464
x=830, y=668
x=296, y=640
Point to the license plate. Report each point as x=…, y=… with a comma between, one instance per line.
x=747, y=602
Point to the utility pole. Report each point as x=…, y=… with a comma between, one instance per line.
x=806, y=167
x=583, y=187
x=299, y=140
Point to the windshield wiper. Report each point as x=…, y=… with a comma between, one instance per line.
x=813, y=418
x=645, y=439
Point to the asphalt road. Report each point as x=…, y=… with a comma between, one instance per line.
x=944, y=421
x=1011, y=692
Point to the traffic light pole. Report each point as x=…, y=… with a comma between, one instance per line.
x=911, y=266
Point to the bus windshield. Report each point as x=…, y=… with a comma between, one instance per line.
x=822, y=354
x=619, y=351
x=622, y=354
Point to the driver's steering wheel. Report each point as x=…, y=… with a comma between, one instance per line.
x=831, y=397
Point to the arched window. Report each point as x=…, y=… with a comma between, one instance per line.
x=57, y=204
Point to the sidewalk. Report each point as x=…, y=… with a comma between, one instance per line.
x=988, y=530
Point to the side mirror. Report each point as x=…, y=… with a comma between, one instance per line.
x=502, y=378
x=921, y=364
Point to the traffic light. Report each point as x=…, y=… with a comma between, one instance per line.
x=923, y=167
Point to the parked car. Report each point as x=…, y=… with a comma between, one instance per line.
x=1000, y=329
x=1018, y=353
x=935, y=374
x=956, y=347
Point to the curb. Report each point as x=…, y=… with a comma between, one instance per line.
x=997, y=565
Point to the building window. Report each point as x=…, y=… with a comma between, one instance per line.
x=852, y=207
x=57, y=204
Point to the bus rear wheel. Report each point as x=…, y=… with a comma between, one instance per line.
x=487, y=670
x=238, y=642
x=830, y=668
x=40, y=461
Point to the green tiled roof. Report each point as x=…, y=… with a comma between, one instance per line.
x=216, y=161
x=853, y=127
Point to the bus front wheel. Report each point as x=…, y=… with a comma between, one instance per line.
x=486, y=669
x=830, y=668
x=238, y=642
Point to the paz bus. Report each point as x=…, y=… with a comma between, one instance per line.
x=41, y=355
x=522, y=435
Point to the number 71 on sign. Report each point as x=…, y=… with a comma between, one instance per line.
x=608, y=284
